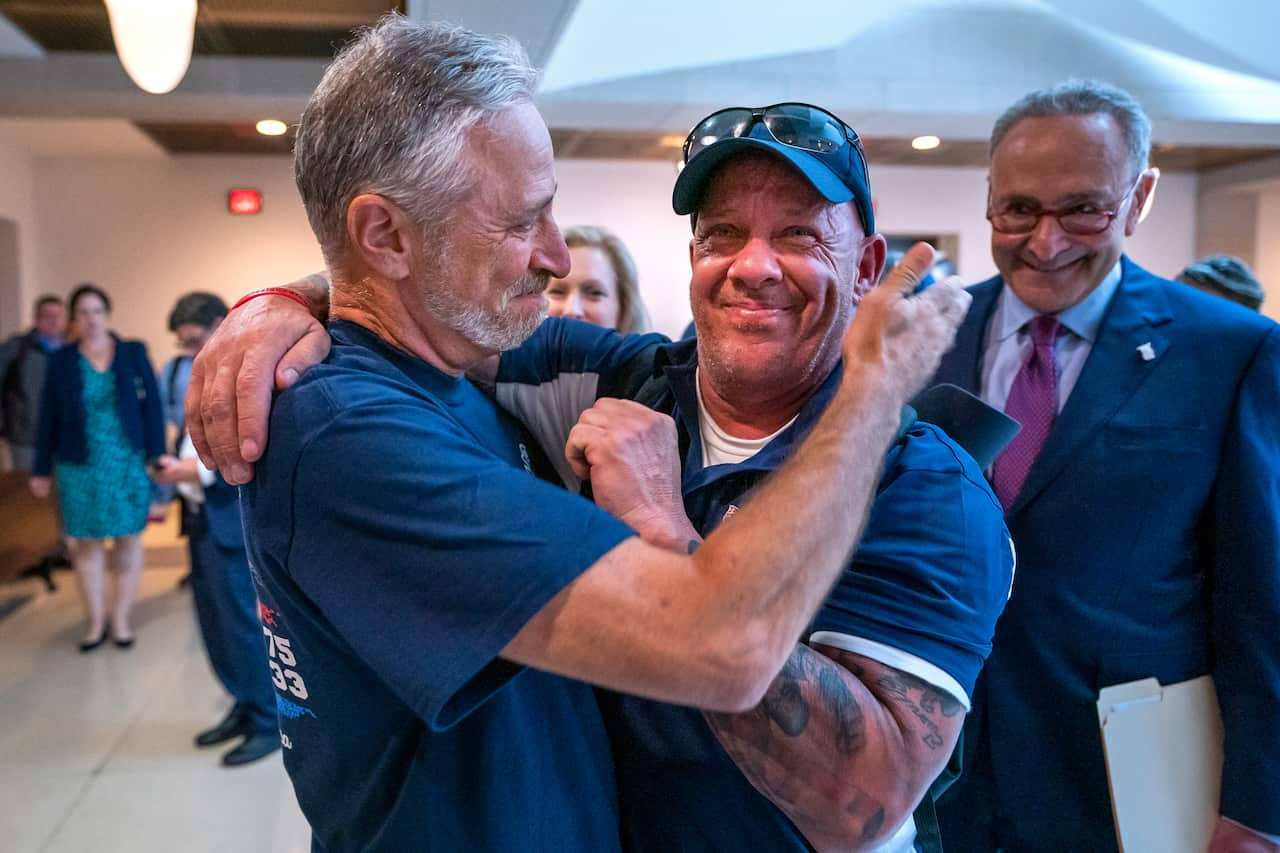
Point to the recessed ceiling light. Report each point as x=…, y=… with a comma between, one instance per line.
x=925, y=143
x=272, y=127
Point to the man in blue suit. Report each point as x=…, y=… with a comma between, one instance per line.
x=1142, y=492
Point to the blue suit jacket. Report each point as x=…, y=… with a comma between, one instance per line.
x=60, y=433
x=1148, y=538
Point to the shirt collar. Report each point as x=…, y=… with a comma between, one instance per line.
x=48, y=343
x=453, y=390
x=679, y=362
x=1082, y=319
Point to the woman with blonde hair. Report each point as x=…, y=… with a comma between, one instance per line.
x=602, y=287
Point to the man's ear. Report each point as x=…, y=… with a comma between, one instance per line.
x=1143, y=197
x=870, y=266
x=381, y=236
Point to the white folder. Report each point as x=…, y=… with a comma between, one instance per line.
x=1164, y=763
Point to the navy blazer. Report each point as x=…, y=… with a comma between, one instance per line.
x=1148, y=539
x=60, y=434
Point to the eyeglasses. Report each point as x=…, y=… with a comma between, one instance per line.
x=1080, y=219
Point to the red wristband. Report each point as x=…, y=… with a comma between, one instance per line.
x=275, y=291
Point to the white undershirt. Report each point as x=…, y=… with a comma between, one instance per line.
x=194, y=492
x=720, y=448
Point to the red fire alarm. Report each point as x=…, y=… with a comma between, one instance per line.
x=244, y=202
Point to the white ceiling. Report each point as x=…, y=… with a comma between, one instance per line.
x=1206, y=71
x=904, y=67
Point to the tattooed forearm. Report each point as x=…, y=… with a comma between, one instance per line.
x=900, y=687
x=844, y=745
x=846, y=716
x=785, y=703
x=801, y=747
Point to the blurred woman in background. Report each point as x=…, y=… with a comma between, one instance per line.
x=100, y=421
x=602, y=287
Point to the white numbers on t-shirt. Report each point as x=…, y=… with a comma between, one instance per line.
x=280, y=658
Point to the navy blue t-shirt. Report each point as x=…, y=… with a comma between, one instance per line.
x=398, y=542
x=930, y=576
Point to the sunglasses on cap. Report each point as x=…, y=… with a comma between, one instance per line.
x=801, y=127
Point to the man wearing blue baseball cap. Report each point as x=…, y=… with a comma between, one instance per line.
x=864, y=717
x=865, y=714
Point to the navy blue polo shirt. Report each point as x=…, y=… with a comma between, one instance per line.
x=398, y=542
x=930, y=576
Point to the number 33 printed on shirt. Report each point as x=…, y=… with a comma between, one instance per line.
x=279, y=652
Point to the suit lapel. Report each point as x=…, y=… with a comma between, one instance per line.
x=963, y=364
x=1128, y=348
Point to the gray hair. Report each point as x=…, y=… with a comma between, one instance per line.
x=632, y=316
x=1227, y=276
x=1082, y=98
x=391, y=115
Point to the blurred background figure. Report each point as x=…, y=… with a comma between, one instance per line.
x=226, y=606
x=1225, y=276
x=24, y=360
x=100, y=420
x=192, y=320
x=602, y=287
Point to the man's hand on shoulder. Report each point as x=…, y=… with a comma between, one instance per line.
x=630, y=454
x=265, y=343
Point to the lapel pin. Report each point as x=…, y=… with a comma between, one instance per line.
x=1146, y=351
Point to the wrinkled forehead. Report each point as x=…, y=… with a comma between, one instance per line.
x=760, y=174
x=1054, y=157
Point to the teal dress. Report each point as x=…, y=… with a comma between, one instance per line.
x=108, y=496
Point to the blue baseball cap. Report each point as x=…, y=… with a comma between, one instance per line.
x=821, y=147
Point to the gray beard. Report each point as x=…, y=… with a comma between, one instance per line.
x=491, y=330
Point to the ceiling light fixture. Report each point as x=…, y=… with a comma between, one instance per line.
x=153, y=39
x=272, y=127
x=925, y=143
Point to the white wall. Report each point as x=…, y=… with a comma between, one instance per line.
x=149, y=230
x=1226, y=224
x=1244, y=220
x=17, y=203
x=1266, y=261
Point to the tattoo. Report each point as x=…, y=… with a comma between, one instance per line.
x=932, y=699
x=845, y=713
x=898, y=684
x=862, y=804
x=784, y=703
x=874, y=824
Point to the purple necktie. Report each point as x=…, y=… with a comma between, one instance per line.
x=1033, y=402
